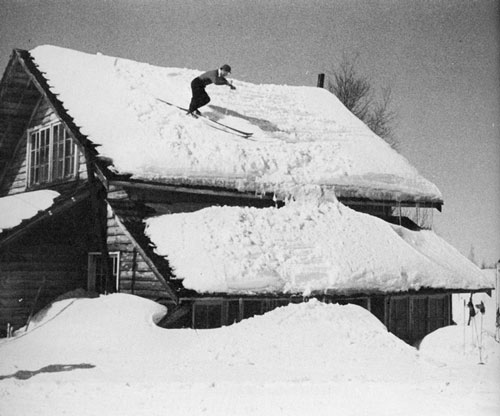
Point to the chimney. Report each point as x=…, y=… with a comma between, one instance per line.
x=321, y=80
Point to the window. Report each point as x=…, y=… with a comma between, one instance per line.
x=233, y=312
x=438, y=312
x=399, y=317
x=419, y=311
x=96, y=278
x=252, y=308
x=207, y=315
x=52, y=154
x=413, y=317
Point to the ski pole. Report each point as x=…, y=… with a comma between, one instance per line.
x=465, y=306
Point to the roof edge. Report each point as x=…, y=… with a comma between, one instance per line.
x=61, y=204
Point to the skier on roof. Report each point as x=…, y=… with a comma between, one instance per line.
x=200, y=96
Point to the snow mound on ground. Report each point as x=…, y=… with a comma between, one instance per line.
x=78, y=329
x=324, y=340
x=469, y=343
x=117, y=335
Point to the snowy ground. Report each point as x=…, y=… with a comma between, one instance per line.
x=105, y=356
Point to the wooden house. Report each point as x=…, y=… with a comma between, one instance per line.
x=92, y=235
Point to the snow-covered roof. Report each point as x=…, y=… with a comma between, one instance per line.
x=306, y=247
x=301, y=135
x=16, y=208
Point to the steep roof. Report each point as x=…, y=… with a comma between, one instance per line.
x=301, y=135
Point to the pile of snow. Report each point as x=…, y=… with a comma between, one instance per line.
x=16, y=208
x=282, y=344
x=471, y=343
x=106, y=356
x=306, y=246
x=472, y=338
x=302, y=135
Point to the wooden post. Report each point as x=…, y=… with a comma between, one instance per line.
x=99, y=211
x=321, y=80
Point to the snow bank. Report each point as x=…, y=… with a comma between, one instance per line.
x=16, y=208
x=304, y=247
x=471, y=343
x=471, y=340
x=302, y=135
x=300, y=359
x=75, y=330
x=327, y=341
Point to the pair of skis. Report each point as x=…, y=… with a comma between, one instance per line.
x=213, y=123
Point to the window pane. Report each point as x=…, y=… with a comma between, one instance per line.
x=97, y=270
x=419, y=317
x=52, y=155
x=39, y=153
x=399, y=316
x=437, y=312
x=207, y=316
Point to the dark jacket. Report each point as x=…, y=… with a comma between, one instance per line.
x=212, y=77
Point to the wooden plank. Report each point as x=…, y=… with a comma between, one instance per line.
x=148, y=276
x=12, y=309
x=141, y=285
x=176, y=189
x=119, y=247
x=161, y=279
x=38, y=266
x=149, y=294
x=118, y=239
x=128, y=267
x=27, y=284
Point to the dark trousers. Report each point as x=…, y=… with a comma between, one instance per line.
x=200, y=96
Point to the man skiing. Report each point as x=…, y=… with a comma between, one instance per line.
x=200, y=96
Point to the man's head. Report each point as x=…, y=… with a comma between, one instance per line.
x=225, y=69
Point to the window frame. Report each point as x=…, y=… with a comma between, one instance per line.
x=204, y=310
x=50, y=165
x=92, y=269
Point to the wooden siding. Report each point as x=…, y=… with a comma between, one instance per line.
x=135, y=275
x=15, y=179
x=49, y=260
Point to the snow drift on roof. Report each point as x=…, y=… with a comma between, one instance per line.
x=303, y=248
x=302, y=135
x=16, y=208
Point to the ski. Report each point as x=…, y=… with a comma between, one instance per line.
x=223, y=126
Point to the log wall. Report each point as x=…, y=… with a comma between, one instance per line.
x=15, y=179
x=135, y=275
x=49, y=260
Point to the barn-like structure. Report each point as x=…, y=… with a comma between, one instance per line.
x=91, y=234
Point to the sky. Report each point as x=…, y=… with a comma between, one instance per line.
x=440, y=59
